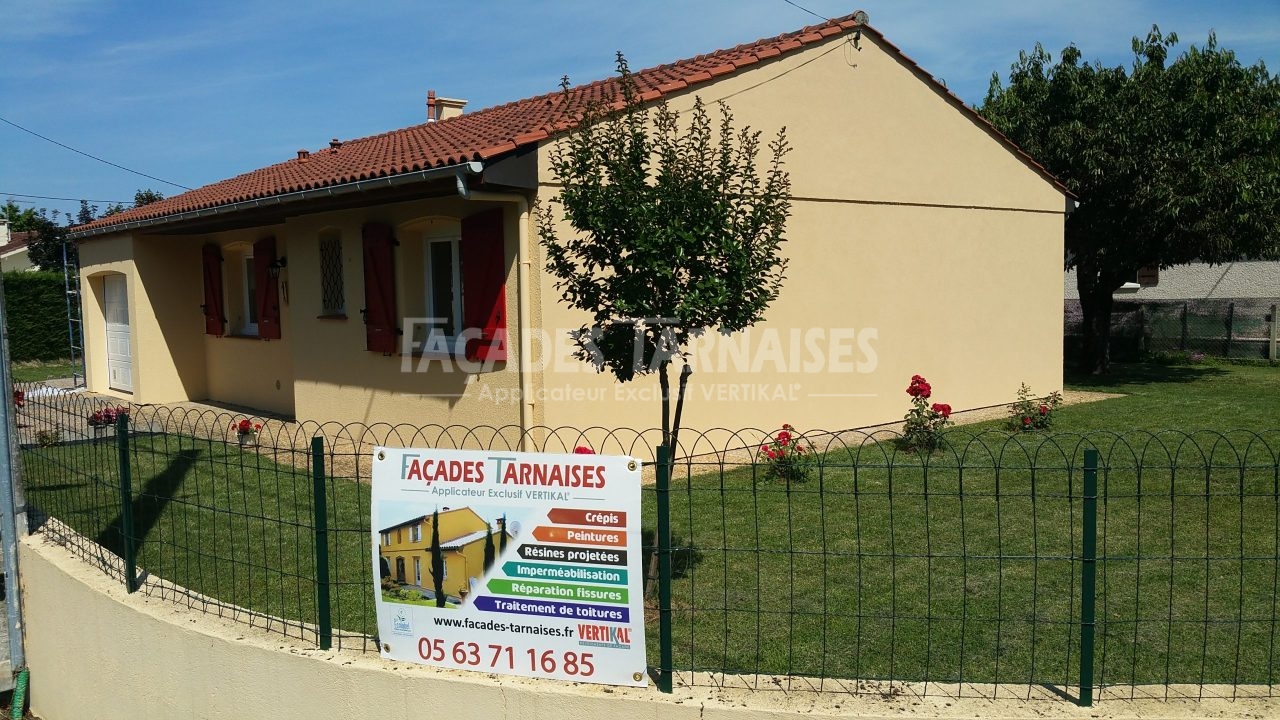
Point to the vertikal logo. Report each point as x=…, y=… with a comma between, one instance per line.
x=605, y=636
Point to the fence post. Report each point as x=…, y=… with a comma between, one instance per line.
x=1182, y=341
x=1088, y=577
x=662, y=490
x=126, y=505
x=1231, y=317
x=324, y=623
x=1142, y=329
x=1271, y=347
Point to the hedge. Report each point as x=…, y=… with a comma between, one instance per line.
x=36, y=306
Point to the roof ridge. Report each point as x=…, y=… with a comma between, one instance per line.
x=498, y=129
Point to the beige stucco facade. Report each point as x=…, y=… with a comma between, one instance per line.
x=918, y=241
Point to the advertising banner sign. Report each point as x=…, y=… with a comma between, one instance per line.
x=515, y=563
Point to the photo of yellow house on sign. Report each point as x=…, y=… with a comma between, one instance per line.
x=405, y=549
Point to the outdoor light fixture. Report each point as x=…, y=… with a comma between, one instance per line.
x=274, y=268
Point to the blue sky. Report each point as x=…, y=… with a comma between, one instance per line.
x=198, y=92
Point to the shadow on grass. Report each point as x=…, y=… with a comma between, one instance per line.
x=1143, y=374
x=150, y=504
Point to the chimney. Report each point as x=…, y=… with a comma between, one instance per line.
x=442, y=108
x=334, y=144
x=303, y=154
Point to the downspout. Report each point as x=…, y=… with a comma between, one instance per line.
x=523, y=307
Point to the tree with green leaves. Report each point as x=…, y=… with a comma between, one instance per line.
x=674, y=232
x=490, y=552
x=1173, y=162
x=45, y=249
x=437, y=560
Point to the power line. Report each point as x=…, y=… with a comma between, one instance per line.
x=50, y=197
x=801, y=7
x=94, y=157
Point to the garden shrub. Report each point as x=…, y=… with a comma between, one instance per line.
x=36, y=308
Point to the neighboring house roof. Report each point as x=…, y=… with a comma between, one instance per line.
x=496, y=131
x=19, y=240
x=463, y=541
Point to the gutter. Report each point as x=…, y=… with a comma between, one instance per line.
x=459, y=172
x=523, y=307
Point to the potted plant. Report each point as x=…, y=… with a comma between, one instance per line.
x=246, y=431
x=102, y=421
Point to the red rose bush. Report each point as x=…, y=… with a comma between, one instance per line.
x=787, y=456
x=924, y=422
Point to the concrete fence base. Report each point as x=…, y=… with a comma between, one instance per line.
x=96, y=652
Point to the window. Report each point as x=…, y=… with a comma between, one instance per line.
x=332, y=296
x=417, y=571
x=456, y=281
x=386, y=538
x=250, y=326
x=415, y=533
x=444, y=287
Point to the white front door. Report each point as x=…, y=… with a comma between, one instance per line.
x=119, y=348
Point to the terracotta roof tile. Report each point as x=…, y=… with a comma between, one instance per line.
x=478, y=135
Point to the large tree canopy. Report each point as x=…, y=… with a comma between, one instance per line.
x=1173, y=162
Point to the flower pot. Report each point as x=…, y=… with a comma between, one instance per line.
x=247, y=439
x=102, y=431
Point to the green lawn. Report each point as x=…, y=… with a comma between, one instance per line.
x=1209, y=395
x=877, y=566
x=230, y=524
x=958, y=572
x=37, y=371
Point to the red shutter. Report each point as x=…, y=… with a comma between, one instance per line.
x=484, y=285
x=266, y=289
x=214, y=321
x=379, y=289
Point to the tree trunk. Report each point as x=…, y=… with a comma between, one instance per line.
x=685, y=372
x=1096, y=287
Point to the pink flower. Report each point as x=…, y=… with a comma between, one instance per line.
x=1044, y=409
x=1026, y=421
x=942, y=409
x=583, y=450
x=784, y=438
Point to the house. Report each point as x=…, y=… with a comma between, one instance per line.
x=1240, y=279
x=399, y=277
x=406, y=548
x=14, y=253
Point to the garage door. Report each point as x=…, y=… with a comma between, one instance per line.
x=119, y=346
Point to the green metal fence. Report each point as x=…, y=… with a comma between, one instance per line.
x=1240, y=328
x=1101, y=565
